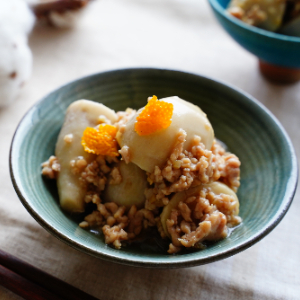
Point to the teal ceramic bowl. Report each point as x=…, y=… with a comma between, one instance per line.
x=271, y=48
x=268, y=172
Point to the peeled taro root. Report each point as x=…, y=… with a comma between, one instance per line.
x=154, y=149
x=16, y=22
x=80, y=114
x=265, y=14
x=130, y=190
x=217, y=188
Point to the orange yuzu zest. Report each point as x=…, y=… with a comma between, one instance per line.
x=156, y=115
x=101, y=141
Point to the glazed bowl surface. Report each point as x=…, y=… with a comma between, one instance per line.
x=268, y=170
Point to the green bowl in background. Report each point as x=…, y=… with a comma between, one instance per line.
x=268, y=171
x=278, y=54
x=271, y=47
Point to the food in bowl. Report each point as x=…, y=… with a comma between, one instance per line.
x=159, y=168
x=281, y=16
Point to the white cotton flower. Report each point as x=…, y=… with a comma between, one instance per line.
x=16, y=22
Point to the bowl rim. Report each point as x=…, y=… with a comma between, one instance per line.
x=181, y=261
x=262, y=32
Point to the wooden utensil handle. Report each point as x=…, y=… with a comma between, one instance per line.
x=23, y=287
x=39, y=277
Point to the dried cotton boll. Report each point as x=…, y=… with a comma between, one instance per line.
x=65, y=20
x=16, y=22
x=61, y=14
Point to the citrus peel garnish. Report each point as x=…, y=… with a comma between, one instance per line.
x=101, y=141
x=156, y=115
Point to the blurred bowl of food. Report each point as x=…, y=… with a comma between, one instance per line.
x=278, y=53
x=268, y=175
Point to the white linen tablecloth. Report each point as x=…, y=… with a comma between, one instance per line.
x=174, y=34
